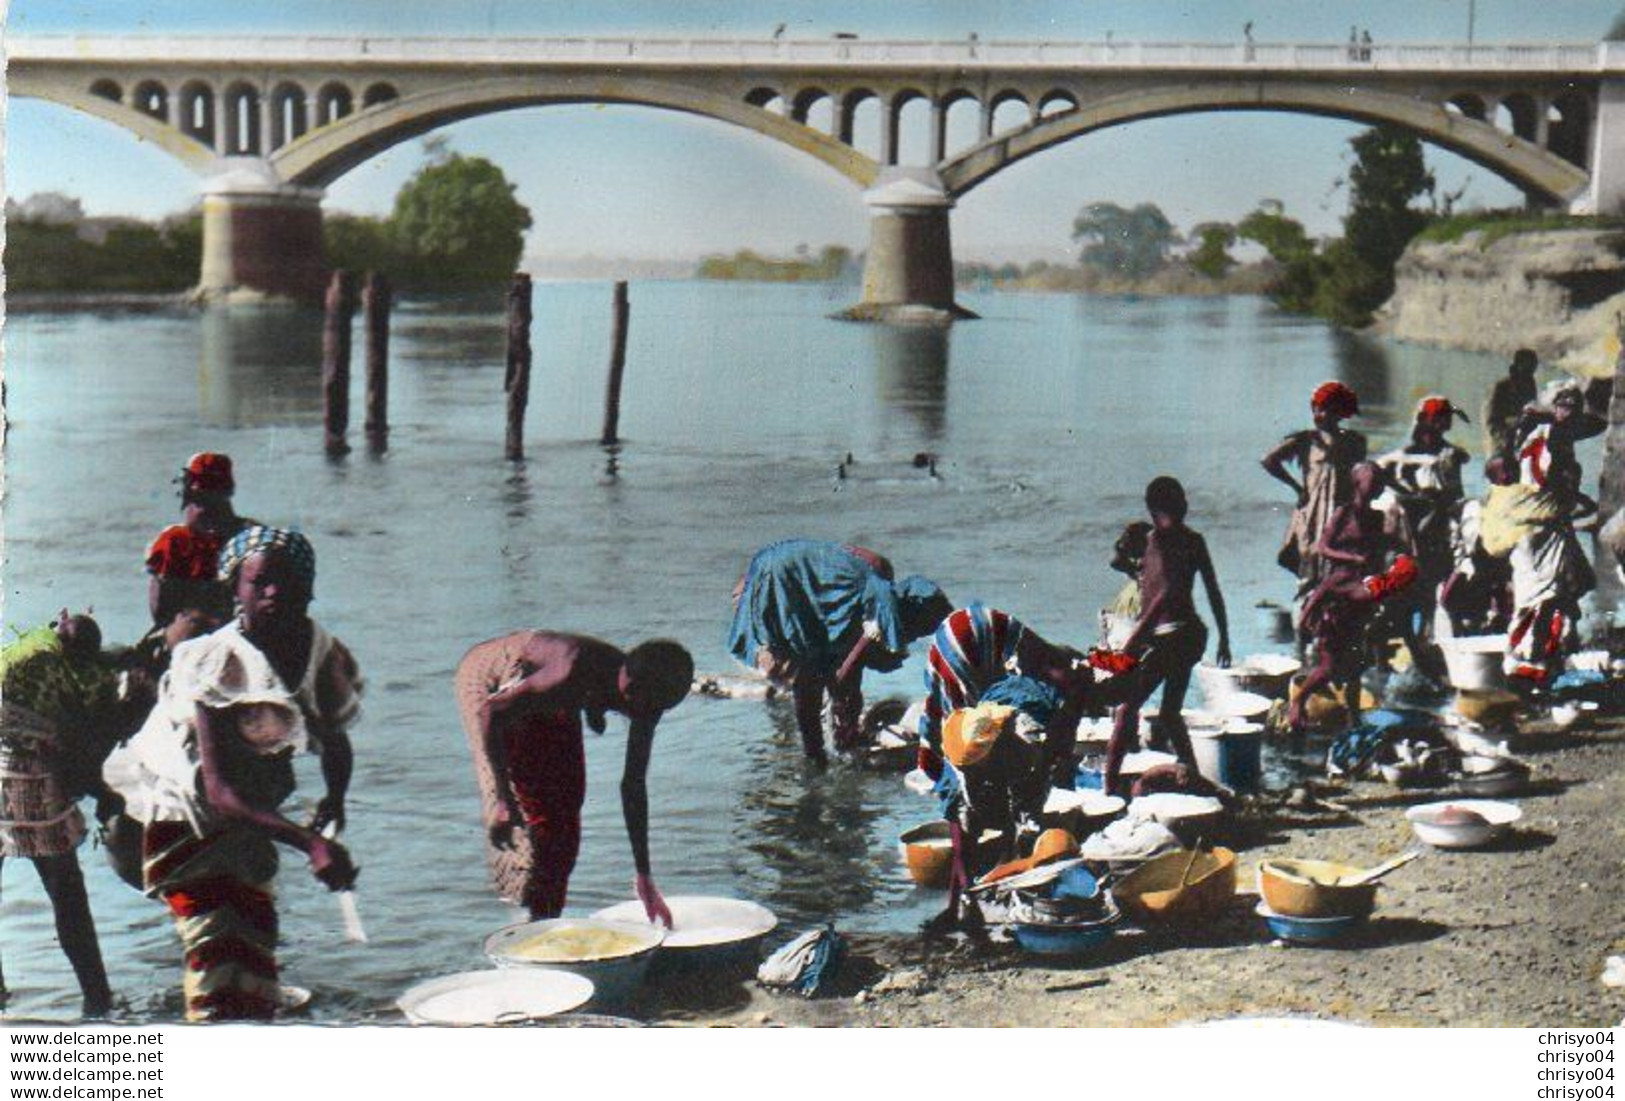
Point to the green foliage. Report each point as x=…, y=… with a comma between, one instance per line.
x=1492, y=225
x=132, y=257
x=1133, y=243
x=359, y=244
x=457, y=225
x=1616, y=29
x=1350, y=278
x=1211, y=257
x=1282, y=237
x=1389, y=174
x=833, y=263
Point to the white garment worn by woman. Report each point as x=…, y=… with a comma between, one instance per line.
x=157, y=771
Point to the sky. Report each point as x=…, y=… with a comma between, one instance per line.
x=620, y=181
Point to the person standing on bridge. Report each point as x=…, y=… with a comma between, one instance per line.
x=1325, y=456
x=813, y=615
x=522, y=697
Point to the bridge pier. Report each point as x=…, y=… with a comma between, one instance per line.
x=908, y=273
x=262, y=239
x=1606, y=195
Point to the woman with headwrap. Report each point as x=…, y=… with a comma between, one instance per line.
x=1424, y=477
x=1355, y=548
x=209, y=770
x=1324, y=454
x=1550, y=570
x=183, y=560
x=813, y=615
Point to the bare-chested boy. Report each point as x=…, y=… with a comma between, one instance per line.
x=1169, y=638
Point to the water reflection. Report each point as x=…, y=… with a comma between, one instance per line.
x=810, y=826
x=911, y=373
x=1366, y=366
x=260, y=367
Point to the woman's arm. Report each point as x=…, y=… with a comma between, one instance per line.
x=1275, y=462
x=328, y=859
x=635, y=809
x=1329, y=544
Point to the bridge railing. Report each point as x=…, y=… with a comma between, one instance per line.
x=839, y=51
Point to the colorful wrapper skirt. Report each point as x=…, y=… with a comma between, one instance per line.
x=218, y=888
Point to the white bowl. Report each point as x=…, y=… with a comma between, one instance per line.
x=1493, y=819
x=495, y=997
x=700, y=921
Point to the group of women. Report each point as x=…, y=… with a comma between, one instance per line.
x=1392, y=551
x=235, y=677
x=207, y=712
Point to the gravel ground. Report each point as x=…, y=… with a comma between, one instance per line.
x=1511, y=936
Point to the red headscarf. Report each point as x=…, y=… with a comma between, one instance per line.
x=209, y=472
x=1435, y=408
x=1336, y=399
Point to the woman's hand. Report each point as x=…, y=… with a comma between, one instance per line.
x=504, y=820
x=1222, y=658
x=330, y=811
x=330, y=863
x=654, y=906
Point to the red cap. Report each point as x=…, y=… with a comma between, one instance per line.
x=210, y=472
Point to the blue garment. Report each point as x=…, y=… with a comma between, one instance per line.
x=808, y=600
x=1356, y=748
x=1034, y=698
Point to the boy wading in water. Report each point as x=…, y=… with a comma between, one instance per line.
x=1169, y=638
x=522, y=698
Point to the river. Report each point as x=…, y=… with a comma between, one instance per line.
x=1047, y=418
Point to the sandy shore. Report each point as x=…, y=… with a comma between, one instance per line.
x=1511, y=936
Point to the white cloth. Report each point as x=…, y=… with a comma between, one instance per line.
x=157, y=770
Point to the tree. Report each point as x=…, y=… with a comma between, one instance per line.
x=1133, y=243
x=1389, y=174
x=1616, y=29
x=457, y=225
x=1282, y=237
x=1211, y=256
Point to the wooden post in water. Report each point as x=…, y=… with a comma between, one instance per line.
x=617, y=367
x=375, y=299
x=516, y=382
x=340, y=305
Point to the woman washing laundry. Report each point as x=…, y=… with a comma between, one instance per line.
x=813, y=615
x=211, y=767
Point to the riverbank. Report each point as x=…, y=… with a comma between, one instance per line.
x=1560, y=292
x=1514, y=936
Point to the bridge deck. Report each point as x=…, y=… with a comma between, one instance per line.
x=854, y=53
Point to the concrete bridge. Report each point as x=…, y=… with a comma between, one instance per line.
x=268, y=122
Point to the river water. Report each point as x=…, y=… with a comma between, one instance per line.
x=1048, y=417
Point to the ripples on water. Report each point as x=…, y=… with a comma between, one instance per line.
x=1047, y=418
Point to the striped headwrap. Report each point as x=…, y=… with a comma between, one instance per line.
x=256, y=538
x=970, y=652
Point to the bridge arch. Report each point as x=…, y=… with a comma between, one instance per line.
x=1520, y=162
x=326, y=153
